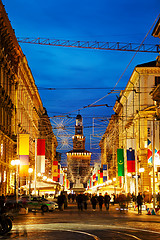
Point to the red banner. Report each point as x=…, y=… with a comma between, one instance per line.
x=40, y=155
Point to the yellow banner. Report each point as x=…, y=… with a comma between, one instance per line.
x=55, y=170
x=23, y=144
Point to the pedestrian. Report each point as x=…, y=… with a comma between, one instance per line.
x=73, y=197
x=139, y=202
x=80, y=201
x=107, y=199
x=69, y=197
x=94, y=202
x=85, y=200
x=2, y=204
x=60, y=201
x=100, y=201
x=158, y=199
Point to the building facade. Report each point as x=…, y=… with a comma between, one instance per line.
x=135, y=110
x=21, y=108
x=109, y=144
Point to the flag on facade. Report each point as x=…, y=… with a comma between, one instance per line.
x=130, y=160
x=40, y=155
x=120, y=161
x=64, y=180
x=101, y=175
x=23, y=152
x=149, y=141
x=67, y=183
x=98, y=176
x=55, y=171
x=94, y=177
x=61, y=178
x=157, y=157
x=24, y=165
x=23, y=144
x=105, y=173
x=59, y=167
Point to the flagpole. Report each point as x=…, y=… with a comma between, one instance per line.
x=136, y=187
x=153, y=163
x=35, y=170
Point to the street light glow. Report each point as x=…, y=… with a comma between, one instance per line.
x=30, y=170
x=141, y=170
x=15, y=162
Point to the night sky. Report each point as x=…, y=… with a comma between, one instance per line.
x=82, y=76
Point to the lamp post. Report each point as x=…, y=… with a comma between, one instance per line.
x=30, y=170
x=114, y=181
x=16, y=163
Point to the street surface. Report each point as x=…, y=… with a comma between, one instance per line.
x=87, y=224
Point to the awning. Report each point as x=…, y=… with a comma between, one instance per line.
x=41, y=186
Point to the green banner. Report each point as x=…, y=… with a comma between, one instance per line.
x=120, y=161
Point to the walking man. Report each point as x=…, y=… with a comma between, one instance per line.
x=107, y=199
x=100, y=201
x=139, y=203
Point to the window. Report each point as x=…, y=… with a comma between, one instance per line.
x=157, y=80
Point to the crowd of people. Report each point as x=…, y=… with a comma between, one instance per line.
x=84, y=199
x=97, y=201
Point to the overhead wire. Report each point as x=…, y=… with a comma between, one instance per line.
x=112, y=90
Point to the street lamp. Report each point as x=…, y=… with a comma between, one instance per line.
x=16, y=163
x=30, y=170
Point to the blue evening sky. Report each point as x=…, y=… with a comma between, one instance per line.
x=92, y=72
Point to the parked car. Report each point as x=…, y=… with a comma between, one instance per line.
x=37, y=203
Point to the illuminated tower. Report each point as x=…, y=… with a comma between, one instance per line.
x=78, y=159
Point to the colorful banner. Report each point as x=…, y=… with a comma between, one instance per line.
x=157, y=157
x=24, y=165
x=61, y=178
x=105, y=173
x=67, y=183
x=130, y=160
x=40, y=155
x=94, y=177
x=98, y=176
x=59, y=167
x=120, y=161
x=149, y=141
x=23, y=152
x=101, y=175
x=55, y=171
x=23, y=144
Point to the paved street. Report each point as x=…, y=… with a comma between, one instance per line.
x=74, y=224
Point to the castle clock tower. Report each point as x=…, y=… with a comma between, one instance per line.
x=78, y=138
x=78, y=159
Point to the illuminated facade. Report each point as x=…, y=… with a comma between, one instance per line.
x=109, y=144
x=21, y=109
x=135, y=118
x=78, y=159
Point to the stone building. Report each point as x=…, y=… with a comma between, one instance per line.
x=137, y=127
x=135, y=121
x=21, y=108
x=109, y=144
